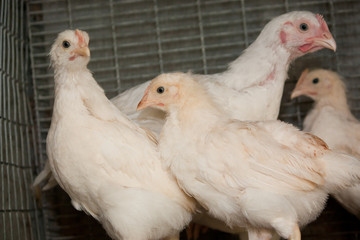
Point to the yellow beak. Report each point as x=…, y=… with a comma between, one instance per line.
x=298, y=91
x=84, y=51
x=143, y=103
x=326, y=43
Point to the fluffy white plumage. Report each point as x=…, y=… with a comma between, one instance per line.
x=252, y=87
x=264, y=175
x=108, y=165
x=331, y=119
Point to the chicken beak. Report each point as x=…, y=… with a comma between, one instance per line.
x=298, y=91
x=146, y=102
x=326, y=41
x=84, y=51
x=142, y=104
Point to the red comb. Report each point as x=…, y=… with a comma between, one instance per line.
x=322, y=22
x=80, y=37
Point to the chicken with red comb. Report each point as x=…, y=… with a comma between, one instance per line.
x=252, y=87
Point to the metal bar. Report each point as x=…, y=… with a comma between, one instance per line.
x=7, y=128
x=85, y=28
x=14, y=165
x=333, y=31
x=48, y=11
x=88, y=6
x=15, y=141
x=68, y=3
x=45, y=87
x=117, y=68
x=20, y=92
x=2, y=113
x=44, y=1
x=47, y=22
x=286, y=3
x=158, y=37
x=172, y=7
x=202, y=38
x=34, y=77
x=244, y=23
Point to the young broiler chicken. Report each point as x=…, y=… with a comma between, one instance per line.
x=331, y=119
x=107, y=164
x=252, y=87
x=266, y=175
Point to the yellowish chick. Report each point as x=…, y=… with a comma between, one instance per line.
x=331, y=119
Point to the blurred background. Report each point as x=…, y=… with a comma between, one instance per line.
x=133, y=41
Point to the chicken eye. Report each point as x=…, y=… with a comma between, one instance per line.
x=160, y=90
x=65, y=44
x=315, y=81
x=304, y=27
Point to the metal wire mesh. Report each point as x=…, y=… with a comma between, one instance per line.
x=133, y=41
x=18, y=212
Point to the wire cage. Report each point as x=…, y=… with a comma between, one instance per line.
x=133, y=41
x=19, y=213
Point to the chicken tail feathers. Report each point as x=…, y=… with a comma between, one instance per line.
x=342, y=171
x=44, y=175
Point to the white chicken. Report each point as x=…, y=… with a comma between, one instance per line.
x=252, y=87
x=265, y=175
x=331, y=119
x=109, y=166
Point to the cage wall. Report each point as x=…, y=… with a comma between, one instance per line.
x=132, y=41
x=19, y=216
